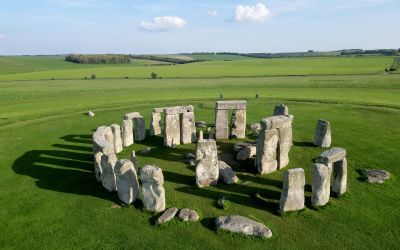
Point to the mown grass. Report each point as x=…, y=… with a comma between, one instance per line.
x=50, y=199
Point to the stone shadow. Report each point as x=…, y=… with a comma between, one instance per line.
x=303, y=144
x=64, y=171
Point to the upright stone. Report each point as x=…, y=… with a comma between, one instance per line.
x=127, y=132
x=292, y=196
x=139, y=128
x=188, y=128
x=155, y=125
x=108, y=175
x=207, y=170
x=116, y=130
x=134, y=159
x=321, y=184
x=103, y=139
x=284, y=143
x=281, y=109
x=221, y=124
x=322, y=134
x=266, y=151
x=172, y=131
x=152, y=188
x=339, y=185
x=97, y=165
x=127, y=181
x=239, y=123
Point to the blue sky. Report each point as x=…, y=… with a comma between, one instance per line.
x=172, y=26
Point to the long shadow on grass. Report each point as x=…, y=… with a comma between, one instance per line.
x=64, y=171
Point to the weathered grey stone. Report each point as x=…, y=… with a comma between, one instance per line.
x=321, y=184
x=127, y=181
x=292, y=196
x=240, y=224
x=127, y=132
x=221, y=124
x=188, y=215
x=139, y=128
x=276, y=122
x=210, y=136
x=90, y=114
x=132, y=115
x=178, y=109
x=167, y=215
x=239, y=123
x=339, y=172
x=331, y=155
x=222, y=202
x=153, y=192
x=103, y=140
x=246, y=153
x=108, y=175
x=116, y=130
x=97, y=165
x=158, y=110
x=188, y=128
x=155, y=124
x=266, y=151
x=241, y=145
x=201, y=124
x=201, y=137
x=374, y=175
x=226, y=174
x=284, y=145
x=281, y=109
x=322, y=134
x=172, y=131
x=134, y=159
x=206, y=163
x=232, y=104
x=192, y=162
x=190, y=156
x=255, y=128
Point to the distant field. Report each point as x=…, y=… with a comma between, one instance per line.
x=235, y=68
x=218, y=57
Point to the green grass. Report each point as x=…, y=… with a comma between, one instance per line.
x=50, y=199
x=235, y=68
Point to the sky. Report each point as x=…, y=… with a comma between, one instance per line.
x=173, y=26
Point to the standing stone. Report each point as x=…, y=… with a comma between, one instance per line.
x=116, y=130
x=266, y=151
x=239, y=123
x=103, y=139
x=155, y=125
x=322, y=134
x=97, y=165
x=134, y=159
x=127, y=182
x=284, y=145
x=172, y=132
x=108, y=175
x=188, y=128
x=207, y=170
x=281, y=109
x=321, y=184
x=139, y=128
x=201, y=137
x=339, y=185
x=292, y=196
x=226, y=174
x=221, y=124
x=127, y=132
x=152, y=188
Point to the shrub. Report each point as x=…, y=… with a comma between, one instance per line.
x=93, y=76
x=153, y=75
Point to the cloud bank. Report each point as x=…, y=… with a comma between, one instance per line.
x=256, y=13
x=163, y=23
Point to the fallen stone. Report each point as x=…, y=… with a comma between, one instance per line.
x=153, y=192
x=226, y=174
x=188, y=215
x=222, y=201
x=322, y=134
x=146, y=151
x=292, y=196
x=167, y=215
x=207, y=170
x=201, y=124
x=246, y=153
x=331, y=155
x=240, y=224
x=190, y=156
x=374, y=175
x=192, y=162
x=127, y=181
x=90, y=114
x=240, y=145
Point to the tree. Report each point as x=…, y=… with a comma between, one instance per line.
x=153, y=75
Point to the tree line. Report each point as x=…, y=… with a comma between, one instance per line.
x=98, y=59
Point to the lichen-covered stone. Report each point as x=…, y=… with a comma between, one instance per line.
x=172, y=131
x=339, y=171
x=238, y=128
x=240, y=224
x=266, y=151
x=155, y=124
x=167, y=215
x=127, y=181
x=321, y=183
x=116, y=130
x=374, y=175
x=188, y=128
x=97, y=165
x=153, y=192
x=292, y=196
x=207, y=170
x=188, y=215
x=221, y=124
x=284, y=145
x=322, y=134
x=226, y=174
x=127, y=132
x=108, y=175
x=103, y=140
x=246, y=153
x=331, y=155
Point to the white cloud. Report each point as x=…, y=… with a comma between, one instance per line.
x=163, y=23
x=256, y=13
x=212, y=13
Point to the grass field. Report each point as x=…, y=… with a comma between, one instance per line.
x=50, y=199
